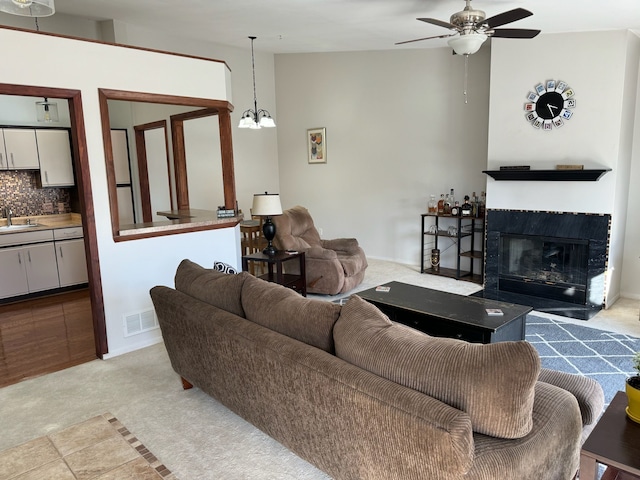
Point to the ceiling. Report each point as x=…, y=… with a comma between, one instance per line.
x=300, y=26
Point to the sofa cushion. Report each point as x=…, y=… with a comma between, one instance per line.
x=493, y=383
x=211, y=286
x=285, y=311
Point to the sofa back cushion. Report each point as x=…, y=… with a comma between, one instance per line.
x=285, y=311
x=211, y=286
x=493, y=383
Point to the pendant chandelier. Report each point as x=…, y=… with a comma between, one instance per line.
x=28, y=8
x=255, y=118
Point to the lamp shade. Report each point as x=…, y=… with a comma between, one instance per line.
x=266, y=204
x=467, y=44
x=28, y=8
x=267, y=122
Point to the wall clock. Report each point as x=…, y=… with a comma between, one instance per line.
x=550, y=105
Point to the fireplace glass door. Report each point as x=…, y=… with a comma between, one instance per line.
x=544, y=266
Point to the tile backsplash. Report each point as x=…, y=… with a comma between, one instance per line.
x=18, y=190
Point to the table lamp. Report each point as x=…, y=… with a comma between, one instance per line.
x=266, y=205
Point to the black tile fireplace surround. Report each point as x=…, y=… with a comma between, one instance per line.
x=547, y=291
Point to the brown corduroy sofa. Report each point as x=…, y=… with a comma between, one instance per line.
x=363, y=398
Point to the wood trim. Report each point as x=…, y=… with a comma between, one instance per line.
x=121, y=45
x=143, y=174
x=180, y=164
x=83, y=176
x=112, y=188
x=146, y=97
x=228, y=172
x=222, y=108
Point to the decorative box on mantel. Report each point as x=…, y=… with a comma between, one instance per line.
x=590, y=175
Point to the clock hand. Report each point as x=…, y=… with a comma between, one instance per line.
x=549, y=106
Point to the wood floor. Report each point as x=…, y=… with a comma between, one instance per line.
x=45, y=335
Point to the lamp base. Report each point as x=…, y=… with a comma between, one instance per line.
x=269, y=231
x=270, y=250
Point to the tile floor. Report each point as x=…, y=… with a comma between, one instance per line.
x=100, y=448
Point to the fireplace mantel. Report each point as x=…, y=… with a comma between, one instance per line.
x=590, y=175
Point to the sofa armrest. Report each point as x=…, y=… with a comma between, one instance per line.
x=347, y=245
x=320, y=253
x=587, y=391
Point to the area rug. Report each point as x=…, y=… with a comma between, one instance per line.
x=599, y=354
x=100, y=448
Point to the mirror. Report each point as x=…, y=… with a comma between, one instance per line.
x=164, y=155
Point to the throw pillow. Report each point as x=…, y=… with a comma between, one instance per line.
x=284, y=311
x=493, y=383
x=224, y=268
x=210, y=286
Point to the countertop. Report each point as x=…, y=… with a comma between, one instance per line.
x=44, y=222
x=179, y=220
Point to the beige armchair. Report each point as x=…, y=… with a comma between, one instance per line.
x=333, y=266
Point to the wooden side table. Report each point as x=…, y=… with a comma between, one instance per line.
x=296, y=282
x=615, y=442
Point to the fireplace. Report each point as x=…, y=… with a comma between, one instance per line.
x=552, y=258
x=545, y=266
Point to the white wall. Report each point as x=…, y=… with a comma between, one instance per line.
x=602, y=69
x=397, y=130
x=630, y=281
x=128, y=269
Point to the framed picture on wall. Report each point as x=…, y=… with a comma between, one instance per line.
x=317, y=145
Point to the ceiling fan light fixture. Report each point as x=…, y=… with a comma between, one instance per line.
x=28, y=8
x=467, y=44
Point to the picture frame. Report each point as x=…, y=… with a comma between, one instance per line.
x=317, y=145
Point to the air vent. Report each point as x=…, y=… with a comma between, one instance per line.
x=139, y=322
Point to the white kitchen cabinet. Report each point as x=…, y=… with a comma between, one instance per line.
x=31, y=266
x=56, y=163
x=19, y=149
x=13, y=275
x=72, y=264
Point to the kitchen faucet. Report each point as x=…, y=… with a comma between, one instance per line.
x=8, y=213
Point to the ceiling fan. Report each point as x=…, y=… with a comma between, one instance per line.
x=472, y=28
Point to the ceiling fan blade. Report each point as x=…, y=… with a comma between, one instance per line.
x=439, y=23
x=514, y=33
x=427, y=38
x=506, y=17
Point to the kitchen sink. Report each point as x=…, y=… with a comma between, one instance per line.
x=18, y=227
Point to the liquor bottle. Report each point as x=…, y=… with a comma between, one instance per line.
x=447, y=205
x=474, y=205
x=481, y=205
x=451, y=198
x=466, y=210
x=432, y=206
x=441, y=204
x=455, y=210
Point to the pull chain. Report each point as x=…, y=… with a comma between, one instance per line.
x=466, y=69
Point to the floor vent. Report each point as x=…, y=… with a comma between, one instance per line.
x=139, y=322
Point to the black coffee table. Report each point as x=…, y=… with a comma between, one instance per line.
x=443, y=314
